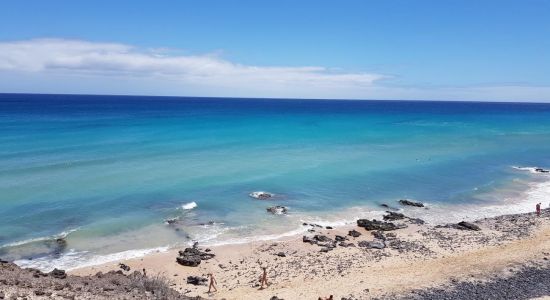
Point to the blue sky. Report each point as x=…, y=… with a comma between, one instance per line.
x=448, y=50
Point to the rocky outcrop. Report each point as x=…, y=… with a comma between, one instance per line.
x=393, y=216
x=260, y=195
x=354, y=233
x=277, y=210
x=411, y=203
x=541, y=170
x=192, y=257
x=379, y=225
x=468, y=226
x=59, y=274
x=376, y=244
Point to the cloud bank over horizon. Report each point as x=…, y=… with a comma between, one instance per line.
x=78, y=66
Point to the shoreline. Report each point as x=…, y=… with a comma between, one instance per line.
x=420, y=256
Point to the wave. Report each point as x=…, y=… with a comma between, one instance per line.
x=60, y=235
x=80, y=259
x=189, y=206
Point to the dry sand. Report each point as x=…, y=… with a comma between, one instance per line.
x=419, y=256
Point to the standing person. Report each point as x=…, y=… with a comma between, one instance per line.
x=263, y=278
x=538, y=209
x=212, y=283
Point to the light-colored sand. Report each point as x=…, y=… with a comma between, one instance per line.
x=431, y=257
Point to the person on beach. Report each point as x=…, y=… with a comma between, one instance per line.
x=263, y=278
x=144, y=273
x=212, y=283
x=538, y=209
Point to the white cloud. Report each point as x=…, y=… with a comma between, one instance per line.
x=75, y=66
x=110, y=59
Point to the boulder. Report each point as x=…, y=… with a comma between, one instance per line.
x=411, y=203
x=192, y=257
x=340, y=238
x=354, y=233
x=376, y=244
x=196, y=280
x=379, y=225
x=59, y=274
x=392, y=216
x=124, y=267
x=468, y=226
x=277, y=210
x=260, y=195
x=541, y=170
x=281, y=254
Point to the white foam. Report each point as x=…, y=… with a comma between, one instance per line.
x=261, y=195
x=532, y=170
x=189, y=206
x=63, y=234
x=79, y=259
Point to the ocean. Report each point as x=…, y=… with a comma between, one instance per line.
x=106, y=173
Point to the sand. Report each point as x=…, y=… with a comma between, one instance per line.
x=419, y=256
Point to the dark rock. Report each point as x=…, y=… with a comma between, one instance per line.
x=541, y=170
x=281, y=254
x=59, y=274
x=345, y=245
x=276, y=298
x=326, y=249
x=261, y=195
x=411, y=203
x=277, y=210
x=322, y=238
x=339, y=238
x=416, y=221
x=468, y=226
x=354, y=233
x=124, y=267
x=379, y=235
x=379, y=225
x=196, y=280
x=307, y=239
x=329, y=227
x=392, y=216
x=192, y=257
x=376, y=244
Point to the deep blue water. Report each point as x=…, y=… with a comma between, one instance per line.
x=113, y=168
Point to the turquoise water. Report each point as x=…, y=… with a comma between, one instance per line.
x=106, y=171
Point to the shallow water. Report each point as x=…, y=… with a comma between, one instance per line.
x=106, y=171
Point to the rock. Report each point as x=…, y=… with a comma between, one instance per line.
x=379, y=225
x=171, y=221
x=329, y=227
x=276, y=298
x=354, y=233
x=345, y=245
x=277, y=210
x=379, y=235
x=376, y=244
x=59, y=274
x=541, y=170
x=392, y=216
x=196, y=280
x=326, y=249
x=468, y=226
x=281, y=254
x=411, y=203
x=322, y=238
x=190, y=257
x=261, y=195
x=339, y=238
x=2, y=295
x=124, y=267
x=307, y=239
x=39, y=293
x=416, y=221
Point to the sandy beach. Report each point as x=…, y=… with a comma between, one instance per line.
x=418, y=257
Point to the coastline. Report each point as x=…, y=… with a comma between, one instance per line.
x=418, y=257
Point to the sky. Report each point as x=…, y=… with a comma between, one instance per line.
x=481, y=50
